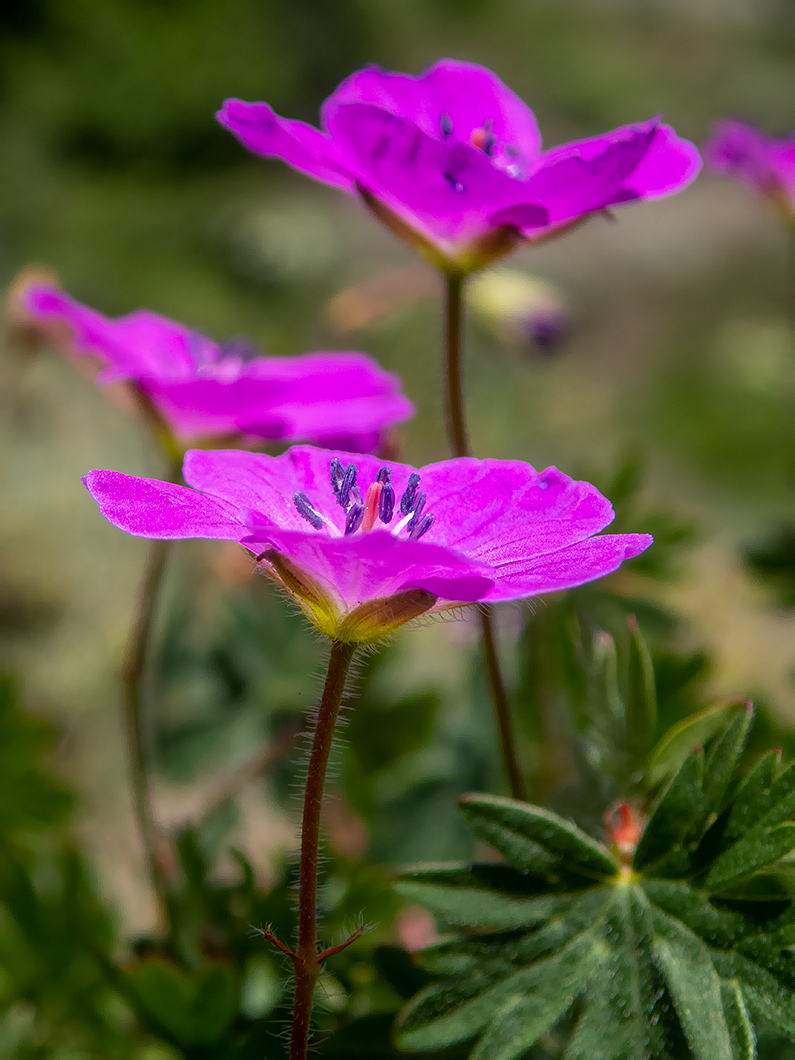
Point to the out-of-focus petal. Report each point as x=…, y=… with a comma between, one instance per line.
x=452, y=97
x=301, y=146
x=445, y=189
x=582, y=177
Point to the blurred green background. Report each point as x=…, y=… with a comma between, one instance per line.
x=114, y=174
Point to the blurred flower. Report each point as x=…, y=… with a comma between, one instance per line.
x=762, y=162
x=451, y=160
x=204, y=390
x=363, y=547
x=523, y=310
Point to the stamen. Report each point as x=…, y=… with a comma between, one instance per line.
x=386, y=503
x=456, y=185
x=304, y=506
x=371, y=503
x=348, y=483
x=353, y=519
x=418, y=505
x=422, y=527
x=407, y=500
x=484, y=138
x=446, y=124
x=337, y=475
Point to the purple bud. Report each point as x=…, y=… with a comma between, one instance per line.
x=547, y=330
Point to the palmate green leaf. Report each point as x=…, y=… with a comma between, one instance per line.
x=665, y=959
x=741, y=1030
x=681, y=739
x=519, y=831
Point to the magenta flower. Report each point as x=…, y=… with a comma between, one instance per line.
x=452, y=160
x=762, y=162
x=203, y=390
x=365, y=547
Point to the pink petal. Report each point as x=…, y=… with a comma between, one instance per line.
x=468, y=95
x=496, y=509
x=445, y=189
x=576, y=565
x=301, y=146
x=150, y=508
x=376, y=564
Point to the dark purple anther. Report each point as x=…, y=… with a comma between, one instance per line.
x=348, y=483
x=304, y=506
x=446, y=124
x=407, y=500
x=386, y=503
x=337, y=475
x=489, y=139
x=353, y=519
x=422, y=527
x=417, y=506
x=456, y=185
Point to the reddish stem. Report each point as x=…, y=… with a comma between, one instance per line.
x=307, y=961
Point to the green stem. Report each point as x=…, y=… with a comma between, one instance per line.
x=306, y=959
x=459, y=444
x=132, y=682
x=133, y=673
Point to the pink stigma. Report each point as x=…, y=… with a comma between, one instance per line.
x=371, y=505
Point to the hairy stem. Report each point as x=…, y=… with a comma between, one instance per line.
x=132, y=683
x=306, y=960
x=459, y=444
x=455, y=411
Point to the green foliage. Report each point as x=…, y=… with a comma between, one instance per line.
x=773, y=561
x=663, y=951
x=30, y=798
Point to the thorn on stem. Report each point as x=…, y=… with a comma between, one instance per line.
x=343, y=945
x=268, y=934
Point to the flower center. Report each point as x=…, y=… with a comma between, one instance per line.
x=378, y=505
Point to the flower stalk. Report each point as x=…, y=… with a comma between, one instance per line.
x=133, y=672
x=307, y=961
x=459, y=443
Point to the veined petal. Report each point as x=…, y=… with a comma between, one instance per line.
x=377, y=564
x=500, y=508
x=150, y=508
x=301, y=146
x=566, y=568
x=450, y=95
x=447, y=190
